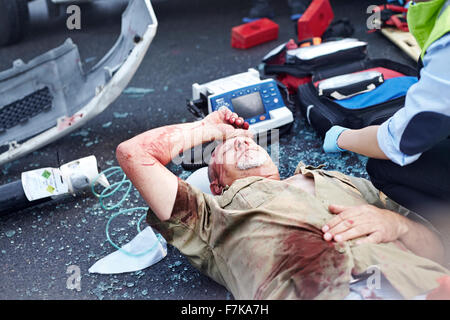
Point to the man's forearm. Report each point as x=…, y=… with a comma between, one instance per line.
x=362, y=141
x=422, y=241
x=165, y=143
x=143, y=159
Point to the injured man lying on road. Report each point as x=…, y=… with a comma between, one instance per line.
x=316, y=235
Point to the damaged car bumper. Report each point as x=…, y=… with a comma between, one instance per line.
x=51, y=96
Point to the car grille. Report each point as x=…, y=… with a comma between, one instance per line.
x=22, y=110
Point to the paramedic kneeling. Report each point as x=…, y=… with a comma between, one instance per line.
x=410, y=152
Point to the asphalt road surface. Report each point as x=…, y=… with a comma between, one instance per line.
x=192, y=44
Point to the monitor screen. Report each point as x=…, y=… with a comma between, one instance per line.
x=248, y=106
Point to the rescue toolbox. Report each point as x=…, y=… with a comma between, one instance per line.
x=336, y=83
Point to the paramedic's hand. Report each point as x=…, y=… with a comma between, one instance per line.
x=378, y=225
x=331, y=137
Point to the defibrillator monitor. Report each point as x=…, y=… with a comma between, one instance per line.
x=248, y=106
x=258, y=101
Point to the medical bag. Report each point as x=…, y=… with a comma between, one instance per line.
x=338, y=84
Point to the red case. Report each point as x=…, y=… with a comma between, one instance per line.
x=253, y=33
x=315, y=20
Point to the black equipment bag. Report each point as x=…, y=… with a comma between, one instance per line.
x=319, y=105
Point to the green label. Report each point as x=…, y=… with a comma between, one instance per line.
x=46, y=174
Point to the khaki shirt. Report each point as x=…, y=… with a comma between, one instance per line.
x=262, y=239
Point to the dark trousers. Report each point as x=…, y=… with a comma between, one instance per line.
x=422, y=186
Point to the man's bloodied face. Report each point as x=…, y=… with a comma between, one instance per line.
x=239, y=158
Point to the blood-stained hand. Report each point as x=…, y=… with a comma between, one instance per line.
x=377, y=225
x=225, y=124
x=226, y=116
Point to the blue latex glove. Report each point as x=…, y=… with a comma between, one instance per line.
x=331, y=137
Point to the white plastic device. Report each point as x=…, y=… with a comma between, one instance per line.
x=223, y=92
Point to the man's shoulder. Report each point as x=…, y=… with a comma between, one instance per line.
x=185, y=205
